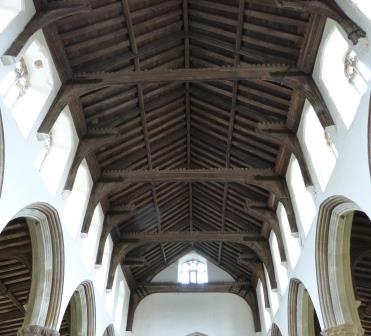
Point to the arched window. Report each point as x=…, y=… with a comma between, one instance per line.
x=317, y=143
x=341, y=76
x=192, y=272
x=265, y=316
x=77, y=200
x=280, y=269
x=292, y=243
x=58, y=147
x=302, y=199
x=9, y=9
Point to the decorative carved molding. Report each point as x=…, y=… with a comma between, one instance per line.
x=336, y=294
x=48, y=275
x=83, y=315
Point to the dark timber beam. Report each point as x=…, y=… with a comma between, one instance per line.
x=92, y=141
x=270, y=217
x=112, y=181
x=328, y=8
x=186, y=236
x=282, y=74
x=132, y=240
x=55, y=11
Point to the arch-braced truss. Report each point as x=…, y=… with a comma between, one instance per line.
x=187, y=113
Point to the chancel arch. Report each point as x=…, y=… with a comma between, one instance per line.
x=31, y=247
x=336, y=261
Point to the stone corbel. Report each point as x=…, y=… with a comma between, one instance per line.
x=35, y=330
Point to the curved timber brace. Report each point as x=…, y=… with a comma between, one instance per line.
x=111, y=220
x=257, y=269
x=269, y=217
x=54, y=12
x=306, y=86
x=328, y=8
x=92, y=141
x=280, y=134
x=116, y=180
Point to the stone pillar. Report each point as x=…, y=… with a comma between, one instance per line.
x=35, y=330
x=343, y=330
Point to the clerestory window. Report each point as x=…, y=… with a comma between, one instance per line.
x=193, y=272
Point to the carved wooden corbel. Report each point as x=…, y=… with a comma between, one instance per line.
x=252, y=301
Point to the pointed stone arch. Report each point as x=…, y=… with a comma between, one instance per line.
x=275, y=331
x=302, y=319
x=334, y=278
x=110, y=331
x=45, y=297
x=83, y=314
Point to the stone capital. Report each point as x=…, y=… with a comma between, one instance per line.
x=343, y=330
x=35, y=330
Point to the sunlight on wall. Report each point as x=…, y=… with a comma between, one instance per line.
x=112, y=295
x=303, y=203
x=9, y=9
x=292, y=244
x=274, y=297
x=90, y=242
x=58, y=148
x=345, y=95
x=76, y=202
x=364, y=6
x=279, y=268
x=265, y=316
x=102, y=272
x=320, y=149
x=119, y=307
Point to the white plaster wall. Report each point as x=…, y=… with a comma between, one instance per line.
x=351, y=176
x=215, y=274
x=182, y=314
x=23, y=186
